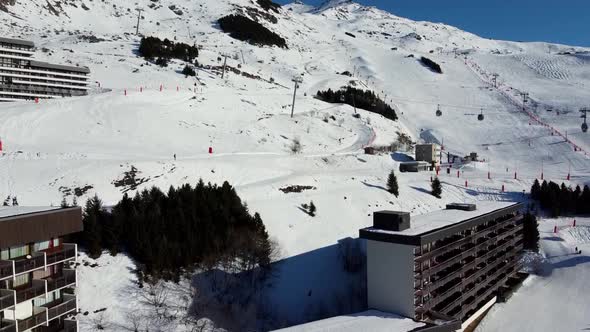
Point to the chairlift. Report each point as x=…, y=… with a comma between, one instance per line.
x=584, y=127
x=480, y=116
x=438, y=111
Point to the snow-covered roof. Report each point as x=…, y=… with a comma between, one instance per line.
x=372, y=320
x=425, y=223
x=13, y=211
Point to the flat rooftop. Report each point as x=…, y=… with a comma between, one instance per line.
x=372, y=320
x=15, y=211
x=17, y=42
x=430, y=223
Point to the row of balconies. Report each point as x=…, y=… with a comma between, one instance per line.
x=37, y=261
x=43, y=315
x=463, y=281
x=461, y=240
x=37, y=288
x=461, y=254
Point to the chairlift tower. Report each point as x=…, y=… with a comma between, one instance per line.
x=525, y=99
x=297, y=81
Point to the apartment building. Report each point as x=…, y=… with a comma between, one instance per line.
x=429, y=153
x=37, y=269
x=448, y=265
x=24, y=78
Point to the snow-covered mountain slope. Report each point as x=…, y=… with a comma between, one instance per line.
x=88, y=143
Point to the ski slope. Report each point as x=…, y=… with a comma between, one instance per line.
x=60, y=145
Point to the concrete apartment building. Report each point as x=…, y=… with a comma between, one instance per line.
x=429, y=153
x=23, y=78
x=37, y=277
x=449, y=265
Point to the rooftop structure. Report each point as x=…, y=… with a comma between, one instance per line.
x=23, y=78
x=37, y=274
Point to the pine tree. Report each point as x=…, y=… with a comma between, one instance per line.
x=64, y=203
x=92, y=231
x=536, y=190
x=436, y=188
x=392, y=185
x=530, y=232
x=312, y=209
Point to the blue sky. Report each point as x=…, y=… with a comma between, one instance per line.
x=557, y=21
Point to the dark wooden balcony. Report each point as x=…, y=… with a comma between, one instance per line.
x=34, y=289
x=39, y=317
x=67, y=304
x=6, y=299
x=67, y=252
x=6, y=270
x=66, y=279
x=7, y=325
x=24, y=264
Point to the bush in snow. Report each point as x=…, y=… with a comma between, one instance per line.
x=188, y=71
x=392, y=186
x=312, y=209
x=162, y=62
x=436, y=188
x=435, y=67
x=244, y=29
x=296, y=145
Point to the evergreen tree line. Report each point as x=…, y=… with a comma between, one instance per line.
x=530, y=232
x=245, y=29
x=364, y=99
x=205, y=226
x=561, y=200
x=164, y=50
x=269, y=5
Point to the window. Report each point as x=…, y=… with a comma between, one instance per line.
x=19, y=251
x=4, y=254
x=41, y=246
x=21, y=280
x=56, y=242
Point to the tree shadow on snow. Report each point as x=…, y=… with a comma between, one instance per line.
x=321, y=283
x=571, y=262
x=373, y=185
x=422, y=190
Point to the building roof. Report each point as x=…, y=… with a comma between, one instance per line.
x=15, y=211
x=423, y=227
x=17, y=41
x=372, y=320
x=47, y=65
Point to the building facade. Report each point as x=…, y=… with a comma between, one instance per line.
x=429, y=153
x=23, y=78
x=37, y=269
x=447, y=265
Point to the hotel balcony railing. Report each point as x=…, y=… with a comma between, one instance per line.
x=7, y=325
x=25, y=264
x=68, y=304
x=477, y=235
x=38, y=318
x=66, y=279
x=68, y=251
x=37, y=288
x=6, y=299
x=6, y=269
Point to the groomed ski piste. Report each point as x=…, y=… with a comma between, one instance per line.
x=142, y=115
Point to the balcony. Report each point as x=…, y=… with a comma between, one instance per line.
x=7, y=325
x=6, y=269
x=66, y=305
x=70, y=325
x=66, y=279
x=6, y=299
x=38, y=318
x=25, y=264
x=67, y=252
x=35, y=289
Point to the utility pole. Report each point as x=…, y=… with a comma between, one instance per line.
x=138, y=18
x=297, y=80
x=224, y=63
x=525, y=99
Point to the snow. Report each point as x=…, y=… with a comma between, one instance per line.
x=372, y=320
x=12, y=211
x=443, y=218
x=59, y=145
x=555, y=300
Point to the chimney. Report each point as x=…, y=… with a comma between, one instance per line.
x=391, y=220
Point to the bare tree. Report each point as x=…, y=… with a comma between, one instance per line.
x=155, y=294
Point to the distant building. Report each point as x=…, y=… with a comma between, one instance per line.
x=447, y=265
x=23, y=78
x=37, y=278
x=428, y=152
x=415, y=166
